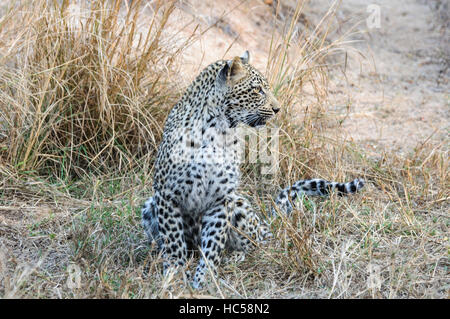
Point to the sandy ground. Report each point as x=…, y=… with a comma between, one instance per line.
x=399, y=92
x=224, y=29
x=396, y=75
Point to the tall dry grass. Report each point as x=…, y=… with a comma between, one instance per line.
x=84, y=87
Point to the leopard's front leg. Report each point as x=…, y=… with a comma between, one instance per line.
x=170, y=223
x=215, y=223
x=247, y=228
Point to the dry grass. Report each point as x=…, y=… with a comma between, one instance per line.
x=81, y=113
x=85, y=85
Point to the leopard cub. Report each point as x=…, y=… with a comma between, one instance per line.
x=196, y=202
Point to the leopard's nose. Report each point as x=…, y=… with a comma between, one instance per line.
x=275, y=109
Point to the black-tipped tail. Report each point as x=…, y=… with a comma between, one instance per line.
x=350, y=187
x=314, y=187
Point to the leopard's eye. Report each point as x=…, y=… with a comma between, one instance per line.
x=259, y=90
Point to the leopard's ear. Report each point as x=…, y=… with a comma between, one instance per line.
x=223, y=75
x=245, y=58
x=232, y=72
x=237, y=70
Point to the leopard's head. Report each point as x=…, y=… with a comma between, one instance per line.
x=248, y=97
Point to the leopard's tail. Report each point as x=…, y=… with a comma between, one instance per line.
x=313, y=187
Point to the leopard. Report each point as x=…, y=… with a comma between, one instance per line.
x=197, y=205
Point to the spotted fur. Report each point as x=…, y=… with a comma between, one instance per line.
x=313, y=187
x=196, y=203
